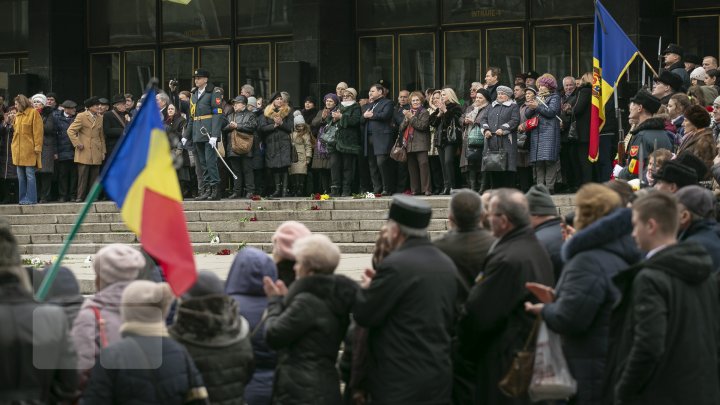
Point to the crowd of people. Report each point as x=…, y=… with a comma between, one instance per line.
x=427, y=143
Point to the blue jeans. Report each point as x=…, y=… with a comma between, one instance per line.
x=26, y=180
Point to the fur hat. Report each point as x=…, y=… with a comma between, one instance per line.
x=284, y=238
x=698, y=116
x=485, y=94
x=118, y=262
x=146, y=302
x=548, y=81
x=39, y=97
x=207, y=283
x=678, y=173
x=540, y=201
x=298, y=118
x=671, y=79
x=698, y=73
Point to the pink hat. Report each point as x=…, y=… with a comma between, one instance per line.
x=547, y=80
x=118, y=262
x=284, y=238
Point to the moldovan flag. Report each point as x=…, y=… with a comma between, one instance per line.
x=613, y=52
x=142, y=181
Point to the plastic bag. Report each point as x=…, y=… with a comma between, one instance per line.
x=551, y=377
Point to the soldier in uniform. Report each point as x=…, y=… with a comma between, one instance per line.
x=204, y=126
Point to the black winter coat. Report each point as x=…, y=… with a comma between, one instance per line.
x=113, y=129
x=549, y=234
x=442, y=124
x=665, y=330
x=7, y=168
x=581, y=112
x=306, y=328
x=496, y=324
x=65, y=148
x=468, y=250
x=142, y=370
x=49, y=148
x=278, y=147
x=42, y=372
x=409, y=311
x=585, y=295
x=706, y=233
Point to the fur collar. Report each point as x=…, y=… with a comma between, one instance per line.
x=282, y=112
x=144, y=329
x=650, y=124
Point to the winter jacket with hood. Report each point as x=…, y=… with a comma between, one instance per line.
x=706, y=233
x=64, y=292
x=585, y=295
x=665, y=330
x=218, y=339
x=307, y=327
x=245, y=285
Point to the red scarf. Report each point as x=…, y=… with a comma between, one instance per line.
x=410, y=131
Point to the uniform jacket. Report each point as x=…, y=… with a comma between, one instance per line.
x=702, y=145
x=420, y=122
x=409, y=313
x=545, y=139
x=649, y=133
x=306, y=328
x=113, y=128
x=49, y=148
x=246, y=123
x=87, y=130
x=585, y=295
x=507, y=118
x=664, y=331
x=218, y=339
x=65, y=148
x=277, y=139
x=302, y=140
x=205, y=112
x=348, y=135
x=678, y=68
x=378, y=126
x=27, y=142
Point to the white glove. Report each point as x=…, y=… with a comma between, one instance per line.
x=616, y=170
x=213, y=142
x=183, y=141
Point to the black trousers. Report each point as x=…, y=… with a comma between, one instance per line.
x=570, y=165
x=242, y=167
x=608, y=150
x=67, y=176
x=586, y=167
x=342, y=170
x=436, y=173
x=448, y=155
x=44, y=186
x=502, y=179
x=381, y=171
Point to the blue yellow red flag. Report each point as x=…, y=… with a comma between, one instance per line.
x=613, y=52
x=142, y=181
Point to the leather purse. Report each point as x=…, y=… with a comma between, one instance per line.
x=240, y=143
x=495, y=160
x=398, y=152
x=516, y=382
x=532, y=123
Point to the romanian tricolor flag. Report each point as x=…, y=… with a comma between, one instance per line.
x=613, y=52
x=142, y=181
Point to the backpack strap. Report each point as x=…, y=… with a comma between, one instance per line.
x=101, y=326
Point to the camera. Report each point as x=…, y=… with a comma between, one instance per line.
x=173, y=83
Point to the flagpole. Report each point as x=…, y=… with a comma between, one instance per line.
x=647, y=63
x=52, y=272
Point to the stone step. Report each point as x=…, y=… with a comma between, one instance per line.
x=92, y=248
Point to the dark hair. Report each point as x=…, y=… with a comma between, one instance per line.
x=682, y=100
x=698, y=116
x=624, y=190
x=713, y=72
x=660, y=206
x=128, y=95
x=514, y=205
x=466, y=209
x=495, y=71
x=522, y=86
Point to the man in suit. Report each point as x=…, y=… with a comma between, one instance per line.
x=204, y=126
x=378, y=139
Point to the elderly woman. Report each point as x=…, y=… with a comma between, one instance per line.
x=448, y=134
x=545, y=141
x=698, y=138
x=499, y=127
x=307, y=323
x=322, y=151
x=415, y=134
x=27, y=146
x=579, y=307
x=275, y=127
x=283, y=240
x=343, y=161
x=471, y=154
x=44, y=175
x=524, y=169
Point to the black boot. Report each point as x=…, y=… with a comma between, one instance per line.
x=204, y=195
x=325, y=180
x=215, y=193
x=278, y=185
x=334, y=191
x=283, y=185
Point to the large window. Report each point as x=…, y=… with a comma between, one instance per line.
x=376, y=58
x=417, y=61
x=553, y=50
x=699, y=35
x=264, y=17
x=7, y=67
x=178, y=63
x=121, y=22
x=195, y=20
x=462, y=58
x=105, y=74
x=217, y=60
x=695, y=4
x=14, y=28
x=374, y=14
x=139, y=69
x=480, y=11
x=504, y=48
x=585, y=48
x=254, y=67
x=545, y=9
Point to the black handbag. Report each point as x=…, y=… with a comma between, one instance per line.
x=495, y=160
x=451, y=132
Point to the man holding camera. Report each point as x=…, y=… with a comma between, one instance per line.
x=204, y=125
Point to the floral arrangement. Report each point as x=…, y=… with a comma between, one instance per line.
x=223, y=252
x=36, y=262
x=319, y=197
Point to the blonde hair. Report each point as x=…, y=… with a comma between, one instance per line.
x=451, y=96
x=317, y=253
x=592, y=202
x=23, y=101
x=587, y=77
x=417, y=94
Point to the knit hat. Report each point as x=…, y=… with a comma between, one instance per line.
x=352, y=91
x=698, y=200
x=485, y=94
x=145, y=302
x=717, y=100
x=117, y=262
x=285, y=235
x=252, y=101
x=698, y=73
x=39, y=97
x=332, y=96
x=505, y=90
x=207, y=283
x=540, y=201
x=548, y=81
x=298, y=119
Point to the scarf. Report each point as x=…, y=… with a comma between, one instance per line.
x=506, y=104
x=410, y=130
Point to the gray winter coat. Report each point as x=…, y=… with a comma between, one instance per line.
x=545, y=139
x=507, y=117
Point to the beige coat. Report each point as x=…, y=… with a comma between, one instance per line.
x=27, y=140
x=304, y=150
x=87, y=130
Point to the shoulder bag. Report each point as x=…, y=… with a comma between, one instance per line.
x=328, y=134
x=398, y=152
x=476, y=137
x=495, y=160
x=451, y=131
x=517, y=380
x=532, y=123
x=240, y=142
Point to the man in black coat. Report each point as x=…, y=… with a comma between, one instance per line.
x=408, y=307
x=666, y=327
x=545, y=221
x=496, y=325
x=114, y=122
x=377, y=140
x=697, y=220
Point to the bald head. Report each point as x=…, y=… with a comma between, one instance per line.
x=509, y=210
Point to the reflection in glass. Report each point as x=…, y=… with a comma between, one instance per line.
x=417, y=62
x=284, y=52
x=376, y=63
x=542, y=9
x=462, y=58
x=254, y=67
x=196, y=20
x=14, y=28
x=23, y=65
x=217, y=60
x=264, y=17
x=585, y=48
x=695, y=35
x=477, y=11
x=104, y=74
x=7, y=67
x=553, y=50
x=504, y=49
x=121, y=22
x=396, y=13
x=178, y=65
x=695, y=4
x=139, y=68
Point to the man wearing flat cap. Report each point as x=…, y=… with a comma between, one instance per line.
x=409, y=308
x=87, y=136
x=696, y=209
x=673, y=62
x=649, y=134
x=204, y=127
